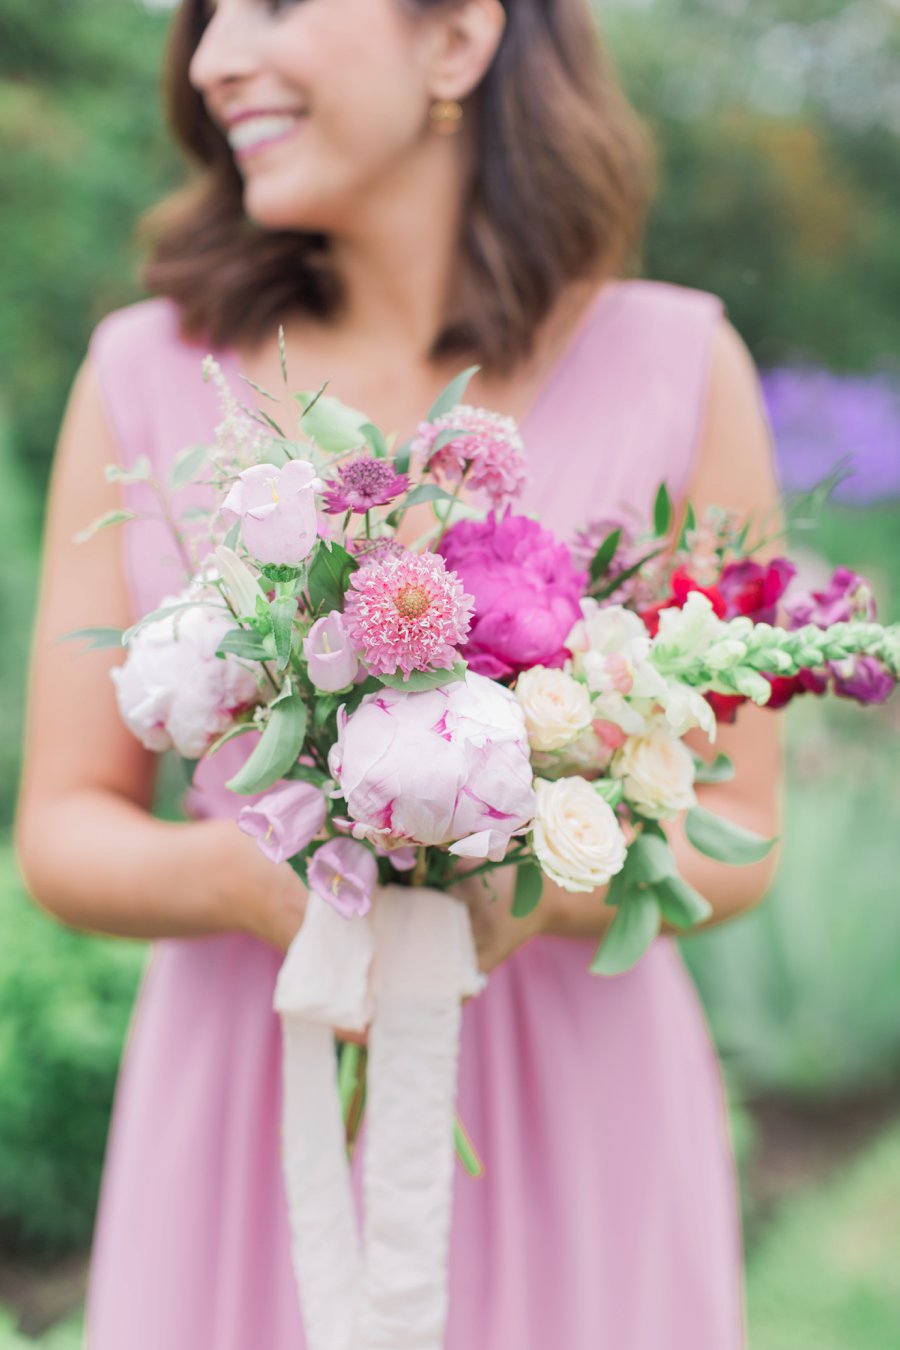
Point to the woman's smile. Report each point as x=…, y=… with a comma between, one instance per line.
x=253, y=132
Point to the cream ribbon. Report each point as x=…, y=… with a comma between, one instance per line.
x=402, y=973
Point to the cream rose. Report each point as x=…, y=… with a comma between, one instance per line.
x=557, y=708
x=657, y=772
x=577, y=838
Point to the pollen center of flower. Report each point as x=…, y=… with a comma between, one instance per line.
x=412, y=601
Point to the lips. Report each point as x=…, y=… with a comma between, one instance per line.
x=252, y=131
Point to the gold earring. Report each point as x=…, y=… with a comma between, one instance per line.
x=446, y=116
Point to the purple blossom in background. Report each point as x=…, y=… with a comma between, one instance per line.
x=820, y=419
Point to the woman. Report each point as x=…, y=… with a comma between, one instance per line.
x=334, y=200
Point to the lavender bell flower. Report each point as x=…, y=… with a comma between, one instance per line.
x=344, y=874
x=330, y=656
x=277, y=510
x=285, y=820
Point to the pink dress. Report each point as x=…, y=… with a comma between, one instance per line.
x=608, y=1218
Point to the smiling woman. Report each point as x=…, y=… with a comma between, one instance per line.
x=554, y=185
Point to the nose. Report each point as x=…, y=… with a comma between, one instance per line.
x=226, y=51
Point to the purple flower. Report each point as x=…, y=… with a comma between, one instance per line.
x=862, y=678
x=285, y=820
x=331, y=660
x=362, y=484
x=527, y=592
x=344, y=873
x=749, y=588
x=847, y=596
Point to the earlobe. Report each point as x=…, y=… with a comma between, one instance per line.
x=472, y=33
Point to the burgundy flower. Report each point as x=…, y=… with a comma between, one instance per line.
x=847, y=596
x=725, y=706
x=362, y=484
x=526, y=588
x=862, y=678
x=754, y=589
x=786, y=687
x=682, y=584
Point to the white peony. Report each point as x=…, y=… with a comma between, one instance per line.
x=172, y=690
x=657, y=772
x=557, y=708
x=577, y=838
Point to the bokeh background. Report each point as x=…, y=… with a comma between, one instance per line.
x=778, y=123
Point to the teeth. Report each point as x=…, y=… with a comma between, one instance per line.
x=253, y=130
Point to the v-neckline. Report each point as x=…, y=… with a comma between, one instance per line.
x=228, y=358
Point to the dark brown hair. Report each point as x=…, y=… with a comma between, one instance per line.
x=560, y=191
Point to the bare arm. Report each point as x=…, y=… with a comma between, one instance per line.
x=90, y=852
x=734, y=469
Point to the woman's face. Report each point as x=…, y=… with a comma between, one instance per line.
x=324, y=102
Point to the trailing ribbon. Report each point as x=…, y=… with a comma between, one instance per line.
x=402, y=973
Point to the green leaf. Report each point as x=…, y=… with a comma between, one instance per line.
x=96, y=638
x=156, y=614
x=604, y=555
x=375, y=440
x=241, y=586
x=649, y=859
x=451, y=394
x=631, y=932
x=721, y=770
x=662, y=512
x=333, y=425
x=307, y=773
x=529, y=888
x=102, y=523
x=284, y=611
x=681, y=905
x=188, y=464
x=427, y=492
x=403, y=456
x=622, y=577
x=279, y=745
x=232, y=537
x=245, y=644
x=420, y=680
x=239, y=729
x=329, y=577
x=139, y=472
x=690, y=523
x=325, y=706
x=720, y=839
x=610, y=789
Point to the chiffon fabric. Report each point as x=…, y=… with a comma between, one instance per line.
x=608, y=1215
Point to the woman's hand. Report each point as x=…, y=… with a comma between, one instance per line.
x=496, y=931
x=262, y=898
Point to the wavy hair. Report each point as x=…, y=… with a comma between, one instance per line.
x=560, y=189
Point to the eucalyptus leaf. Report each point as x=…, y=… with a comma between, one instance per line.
x=680, y=904
x=239, y=729
x=721, y=839
x=244, y=643
x=97, y=639
x=333, y=425
x=102, y=523
x=427, y=492
x=721, y=770
x=279, y=745
x=529, y=888
x=451, y=394
x=375, y=440
x=188, y=464
x=649, y=859
x=631, y=932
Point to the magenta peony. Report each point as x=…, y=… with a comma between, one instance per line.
x=445, y=766
x=527, y=592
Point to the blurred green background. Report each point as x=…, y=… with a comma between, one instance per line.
x=779, y=130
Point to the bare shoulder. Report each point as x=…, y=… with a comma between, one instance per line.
x=734, y=465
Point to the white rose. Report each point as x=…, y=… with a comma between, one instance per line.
x=577, y=838
x=557, y=708
x=657, y=770
x=172, y=689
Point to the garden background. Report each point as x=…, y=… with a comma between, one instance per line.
x=779, y=129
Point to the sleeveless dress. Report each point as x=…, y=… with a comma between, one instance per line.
x=608, y=1217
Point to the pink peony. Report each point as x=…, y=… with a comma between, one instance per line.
x=527, y=592
x=344, y=873
x=172, y=690
x=362, y=484
x=488, y=452
x=284, y=820
x=446, y=766
x=277, y=511
x=407, y=613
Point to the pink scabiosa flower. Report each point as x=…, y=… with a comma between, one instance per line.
x=362, y=484
x=488, y=450
x=407, y=613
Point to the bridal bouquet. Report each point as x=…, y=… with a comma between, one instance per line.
x=482, y=695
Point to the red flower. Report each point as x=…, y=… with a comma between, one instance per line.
x=725, y=706
x=754, y=590
x=785, y=687
x=682, y=585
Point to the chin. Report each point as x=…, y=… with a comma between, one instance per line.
x=274, y=207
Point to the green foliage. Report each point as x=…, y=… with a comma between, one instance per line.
x=64, y=1006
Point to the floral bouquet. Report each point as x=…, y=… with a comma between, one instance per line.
x=483, y=695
